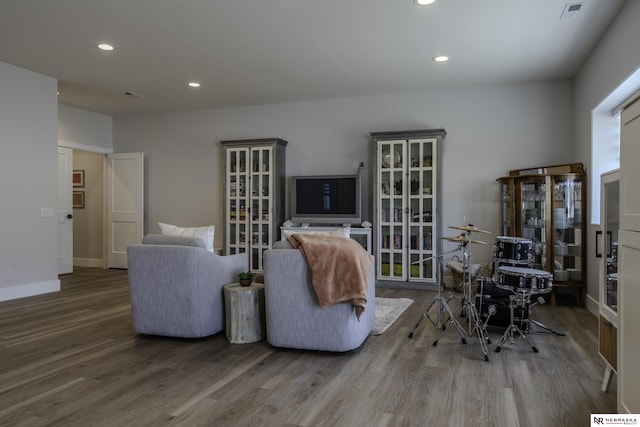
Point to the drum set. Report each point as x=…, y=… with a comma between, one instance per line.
x=513, y=282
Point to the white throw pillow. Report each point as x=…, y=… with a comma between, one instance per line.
x=340, y=232
x=204, y=233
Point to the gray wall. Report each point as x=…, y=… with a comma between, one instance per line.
x=615, y=59
x=28, y=182
x=490, y=130
x=84, y=130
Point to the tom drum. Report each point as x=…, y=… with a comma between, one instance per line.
x=520, y=279
x=513, y=250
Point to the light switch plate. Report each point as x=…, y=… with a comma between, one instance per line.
x=46, y=212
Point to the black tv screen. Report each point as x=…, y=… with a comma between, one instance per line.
x=326, y=199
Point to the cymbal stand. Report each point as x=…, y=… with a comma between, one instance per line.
x=475, y=323
x=442, y=305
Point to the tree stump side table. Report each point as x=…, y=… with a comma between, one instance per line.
x=244, y=313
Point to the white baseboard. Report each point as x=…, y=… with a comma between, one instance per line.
x=592, y=305
x=88, y=262
x=29, y=289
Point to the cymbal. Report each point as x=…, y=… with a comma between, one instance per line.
x=463, y=239
x=469, y=227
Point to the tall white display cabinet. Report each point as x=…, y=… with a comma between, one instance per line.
x=629, y=262
x=407, y=198
x=254, y=196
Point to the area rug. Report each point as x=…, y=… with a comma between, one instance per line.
x=387, y=311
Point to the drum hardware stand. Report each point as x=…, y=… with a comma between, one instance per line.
x=491, y=310
x=480, y=328
x=533, y=322
x=512, y=329
x=442, y=305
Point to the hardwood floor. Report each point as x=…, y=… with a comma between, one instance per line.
x=72, y=359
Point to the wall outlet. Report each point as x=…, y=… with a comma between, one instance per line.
x=8, y=275
x=358, y=164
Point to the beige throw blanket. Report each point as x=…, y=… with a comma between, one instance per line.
x=340, y=269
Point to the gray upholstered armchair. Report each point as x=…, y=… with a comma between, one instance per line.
x=294, y=316
x=176, y=286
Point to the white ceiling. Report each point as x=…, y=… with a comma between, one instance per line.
x=248, y=52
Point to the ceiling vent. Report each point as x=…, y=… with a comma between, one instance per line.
x=133, y=94
x=572, y=10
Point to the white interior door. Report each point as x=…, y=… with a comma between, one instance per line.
x=65, y=211
x=629, y=262
x=629, y=170
x=125, y=205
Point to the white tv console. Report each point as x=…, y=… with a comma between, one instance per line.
x=360, y=235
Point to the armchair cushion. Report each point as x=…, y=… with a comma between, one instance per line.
x=340, y=232
x=165, y=239
x=204, y=233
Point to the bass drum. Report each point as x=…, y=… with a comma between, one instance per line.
x=489, y=293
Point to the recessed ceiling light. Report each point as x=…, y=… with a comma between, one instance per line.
x=194, y=84
x=423, y=2
x=105, y=46
x=440, y=58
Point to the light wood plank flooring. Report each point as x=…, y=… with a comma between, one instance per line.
x=72, y=359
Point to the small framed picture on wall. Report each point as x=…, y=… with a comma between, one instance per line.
x=78, y=199
x=78, y=178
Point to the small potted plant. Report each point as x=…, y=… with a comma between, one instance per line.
x=245, y=278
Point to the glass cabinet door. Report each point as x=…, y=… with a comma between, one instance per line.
x=261, y=206
x=236, y=209
x=506, y=208
x=533, y=216
x=568, y=229
x=421, y=208
x=391, y=209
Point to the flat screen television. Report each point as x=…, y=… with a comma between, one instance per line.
x=326, y=199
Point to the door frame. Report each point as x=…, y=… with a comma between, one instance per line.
x=104, y=152
x=64, y=211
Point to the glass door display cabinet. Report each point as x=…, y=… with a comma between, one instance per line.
x=545, y=205
x=254, y=196
x=407, y=201
x=607, y=252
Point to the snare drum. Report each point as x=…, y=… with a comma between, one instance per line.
x=521, y=279
x=513, y=250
